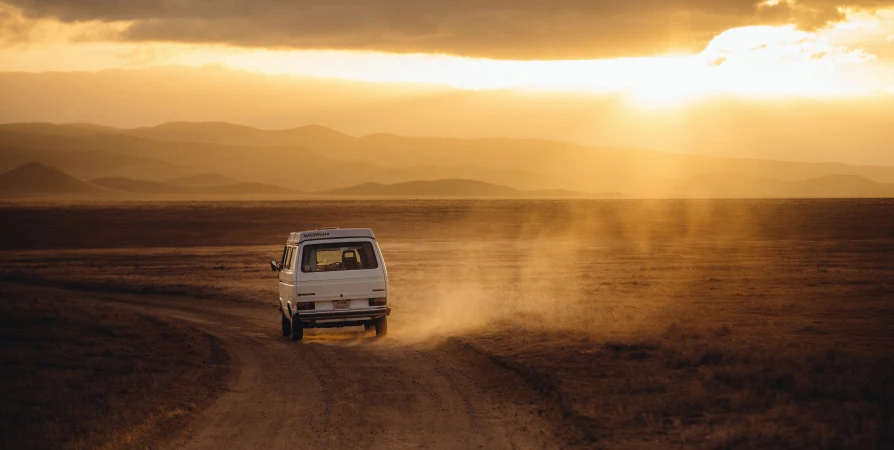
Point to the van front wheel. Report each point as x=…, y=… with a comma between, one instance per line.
x=286, y=325
x=382, y=326
x=297, y=330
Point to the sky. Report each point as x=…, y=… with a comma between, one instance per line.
x=663, y=59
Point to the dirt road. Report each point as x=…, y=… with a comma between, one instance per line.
x=677, y=324
x=343, y=389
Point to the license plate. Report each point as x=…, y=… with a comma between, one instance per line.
x=341, y=305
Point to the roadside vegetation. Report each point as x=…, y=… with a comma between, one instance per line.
x=80, y=375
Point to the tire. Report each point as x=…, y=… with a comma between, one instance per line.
x=297, y=330
x=382, y=326
x=368, y=327
x=286, y=325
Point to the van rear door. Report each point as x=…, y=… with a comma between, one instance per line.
x=340, y=270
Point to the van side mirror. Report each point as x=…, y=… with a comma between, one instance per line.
x=275, y=266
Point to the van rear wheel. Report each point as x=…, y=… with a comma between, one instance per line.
x=286, y=325
x=382, y=326
x=368, y=326
x=297, y=330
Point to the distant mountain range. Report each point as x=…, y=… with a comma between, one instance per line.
x=38, y=179
x=454, y=188
x=198, y=158
x=35, y=178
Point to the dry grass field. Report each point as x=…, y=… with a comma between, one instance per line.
x=635, y=324
x=84, y=375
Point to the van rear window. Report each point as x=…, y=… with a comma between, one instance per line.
x=338, y=256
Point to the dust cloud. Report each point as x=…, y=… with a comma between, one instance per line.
x=617, y=271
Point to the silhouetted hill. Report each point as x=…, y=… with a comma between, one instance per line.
x=548, y=164
x=155, y=187
x=732, y=125
x=204, y=180
x=448, y=188
x=292, y=167
x=206, y=132
x=88, y=164
x=138, y=186
x=242, y=162
x=245, y=189
x=439, y=188
x=34, y=178
x=314, y=158
x=231, y=134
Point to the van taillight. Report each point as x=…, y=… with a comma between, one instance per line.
x=305, y=306
x=378, y=301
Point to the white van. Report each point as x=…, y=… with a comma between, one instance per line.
x=332, y=277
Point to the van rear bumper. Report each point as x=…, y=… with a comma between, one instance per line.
x=375, y=313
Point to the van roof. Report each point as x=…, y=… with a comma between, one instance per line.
x=330, y=233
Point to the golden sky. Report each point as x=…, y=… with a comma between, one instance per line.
x=658, y=55
x=655, y=48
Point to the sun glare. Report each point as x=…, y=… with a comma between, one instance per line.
x=755, y=61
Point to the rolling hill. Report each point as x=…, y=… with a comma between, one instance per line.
x=137, y=186
x=447, y=188
x=86, y=164
x=244, y=189
x=439, y=188
x=34, y=178
x=317, y=159
x=727, y=125
x=721, y=185
x=322, y=138
x=155, y=187
x=292, y=167
x=257, y=164
x=204, y=180
x=548, y=161
x=220, y=184
x=37, y=179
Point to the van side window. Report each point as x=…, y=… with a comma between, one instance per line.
x=289, y=258
x=282, y=261
x=338, y=256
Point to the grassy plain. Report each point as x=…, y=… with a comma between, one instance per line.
x=653, y=324
x=85, y=375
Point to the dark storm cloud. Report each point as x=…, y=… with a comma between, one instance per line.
x=491, y=28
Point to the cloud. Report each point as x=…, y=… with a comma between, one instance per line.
x=503, y=29
x=17, y=28
x=13, y=27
